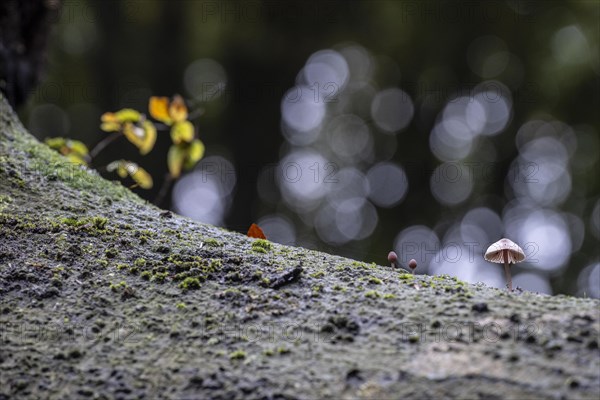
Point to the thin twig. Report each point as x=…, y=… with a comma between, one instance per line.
x=103, y=143
x=164, y=189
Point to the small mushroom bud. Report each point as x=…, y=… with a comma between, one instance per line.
x=392, y=258
x=412, y=264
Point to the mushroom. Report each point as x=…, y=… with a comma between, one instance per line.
x=392, y=258
x=505, y=251
x=412, y=264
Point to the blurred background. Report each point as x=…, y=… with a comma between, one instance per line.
x=358, y=127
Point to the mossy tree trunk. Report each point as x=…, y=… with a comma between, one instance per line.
x=103, y=295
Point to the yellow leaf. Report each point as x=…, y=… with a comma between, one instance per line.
x=175, y=160
x=109, y=122
x=182, y=132
x=134, y=134
x=143, y=137
x=108, y=117
x=127, y=115
x=159, y=109
x=74, y=150
x=127, y=168
x=142, y=178
x=177, y=109
x=150, y=138
x=195, y=152
x=110, y=126
x=122, y=170
x=77, y=147
x=76, y=159
x=112, y=122
x=56, y=143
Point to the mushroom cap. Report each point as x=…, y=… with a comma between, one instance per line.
x=392, y=257
x=494, y=252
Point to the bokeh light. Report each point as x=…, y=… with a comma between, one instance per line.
x=392, y=109
x=589, y=281
x=451, y=183
x=278, y=229
x=300, y=111
x=205, y=79
x=388, y=184
x=205, y=194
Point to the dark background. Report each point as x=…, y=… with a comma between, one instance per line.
x=543, y=56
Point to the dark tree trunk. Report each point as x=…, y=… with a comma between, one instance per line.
x=24, y=30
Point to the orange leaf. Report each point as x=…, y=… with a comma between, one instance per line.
x=159, y=109
x=256, y=232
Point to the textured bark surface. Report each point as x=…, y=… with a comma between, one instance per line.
x=103, y=295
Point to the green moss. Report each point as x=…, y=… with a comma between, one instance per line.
x=147, y=232
x=5, y=200
x=159, y=268
x=117, y=286
x=269, y=352
x=99, y=222
x=180, y=276
x=238, y=355
x=111, y=252
x=140, y=262
x=212, y=242
x=339, y=288
x=372, y=294
x=74, y=222
x=162, y=249
x=317, y=274
x=181, y=306
x=359, y=264
x=375, y=280
x=389, y=296
x=103, y=263
x=215, y=264
x=122, y=266
x=134, y=270
x=159, y=277
x=283, y=350
x=406, y=277
x=144, y=235
x=146, y=275
x=172, y=232
x=190, y=283
x=261, y=246
x=89, y=249
x=317, y=289
x=257, y=275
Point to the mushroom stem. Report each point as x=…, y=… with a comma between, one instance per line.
x=507, y=269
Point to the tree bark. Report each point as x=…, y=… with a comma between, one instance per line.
x=104, y=295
